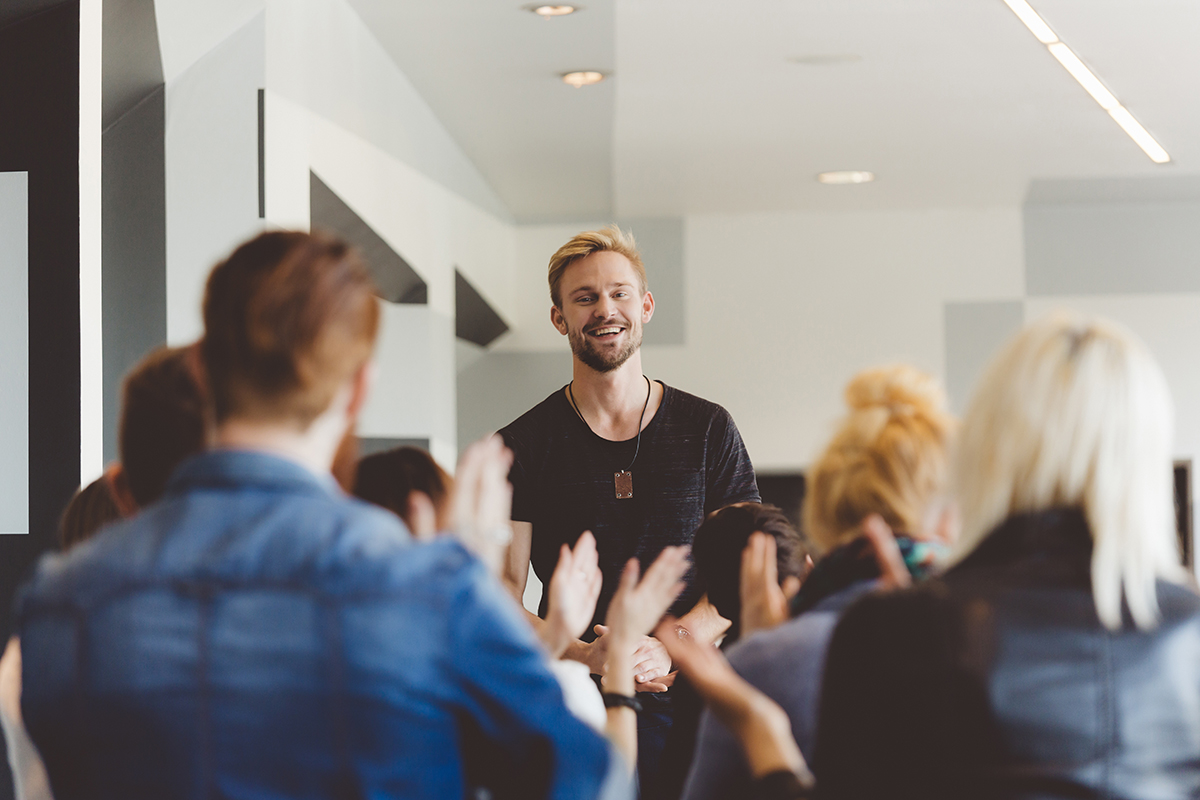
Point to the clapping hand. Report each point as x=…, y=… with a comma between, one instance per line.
x=483, y=500
x=764, y=601
x=761, y=725
x=573, y=592
x=633, y=612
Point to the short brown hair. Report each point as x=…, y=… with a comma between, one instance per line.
x=288, y=318
x=92, y=507
x=388, y=478
x=717, y=552
x=163, y=420
x=607, y=239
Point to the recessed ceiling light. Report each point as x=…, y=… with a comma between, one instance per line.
x=584, y=78
x=1088, y=80
x=846, y=176
x=552, y=11
x=824, y=59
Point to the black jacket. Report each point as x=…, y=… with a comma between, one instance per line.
x=998, y=681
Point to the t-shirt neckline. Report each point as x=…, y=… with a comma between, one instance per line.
x=562, y=393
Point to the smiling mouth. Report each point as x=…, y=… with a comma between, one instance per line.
x=605, y=333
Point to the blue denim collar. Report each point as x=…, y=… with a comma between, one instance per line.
x=227, y=468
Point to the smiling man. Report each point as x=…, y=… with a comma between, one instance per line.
x=635, y=461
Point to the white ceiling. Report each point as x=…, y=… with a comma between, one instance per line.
x=953, y=101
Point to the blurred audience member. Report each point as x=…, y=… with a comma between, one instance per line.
x=776, y=767
x=1060, y=656
x=717, y=552
x=92, y=507
x=258, y=633
x=164, y=420
x=409, y=483
x=886, y=466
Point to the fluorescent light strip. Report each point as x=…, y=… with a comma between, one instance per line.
x=1037, y=26
x=1088, y=80
x=1139, y=134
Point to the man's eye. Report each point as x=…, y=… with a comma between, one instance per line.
x=621, y=294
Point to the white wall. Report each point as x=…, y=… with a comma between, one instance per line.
x=334, y=104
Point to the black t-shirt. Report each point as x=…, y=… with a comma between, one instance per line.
x=691, y=461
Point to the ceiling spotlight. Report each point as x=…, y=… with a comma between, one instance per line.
x=552, y=11
x=846, y=176
x=586, y=78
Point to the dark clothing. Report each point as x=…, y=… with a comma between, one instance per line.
x=999, y=681
x=258, y=634
x=691, y=461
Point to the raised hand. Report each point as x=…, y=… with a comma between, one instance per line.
x=760, y=724
x=483, y=500
x=633, y=612
x=573, y=591
x=764, y=603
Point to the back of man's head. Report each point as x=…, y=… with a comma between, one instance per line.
x=163, y=420
x=288, y=319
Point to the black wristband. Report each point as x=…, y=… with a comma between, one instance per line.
x=612, y=700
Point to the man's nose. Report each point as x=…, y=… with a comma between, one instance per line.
x=605, y=308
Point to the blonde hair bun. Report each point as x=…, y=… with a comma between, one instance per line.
x=899, y=389
x=888, y=457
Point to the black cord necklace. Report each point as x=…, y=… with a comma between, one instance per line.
x=623, y=480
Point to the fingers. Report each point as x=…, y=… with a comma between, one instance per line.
x=422, y=515
x=600, y=630
x=887, y=553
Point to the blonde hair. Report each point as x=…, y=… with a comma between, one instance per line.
x=889, y=457
x=1074, y=412
x=607, y=239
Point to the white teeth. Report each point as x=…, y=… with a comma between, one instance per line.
x=603, y=331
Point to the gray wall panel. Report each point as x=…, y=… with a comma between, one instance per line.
x=974, y=331
x=499, y=387
x=661, y=245
x=132, y=63
x=1112, y=248
x=134, y=293
x=14, y=352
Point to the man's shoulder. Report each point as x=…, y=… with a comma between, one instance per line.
x=801, y=639
x=537, y=422
x=686, y=408
x=331, y=546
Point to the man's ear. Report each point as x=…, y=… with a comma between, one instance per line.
x=790, y=586
x=557, y=320
x=360, y=387
x=647, y=307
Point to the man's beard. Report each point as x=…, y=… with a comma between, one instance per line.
x=584, y=349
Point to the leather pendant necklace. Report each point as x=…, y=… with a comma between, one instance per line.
x=622, y=479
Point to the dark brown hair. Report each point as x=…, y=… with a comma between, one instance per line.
x=717, y=552
x=288, y=318
x=386, y=479
x=163, y=420
x=90, y=509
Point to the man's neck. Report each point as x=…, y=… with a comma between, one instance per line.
x=612, y=402
x=308, y=448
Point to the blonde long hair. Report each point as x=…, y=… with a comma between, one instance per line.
x=889, y=457
x=1075, y=412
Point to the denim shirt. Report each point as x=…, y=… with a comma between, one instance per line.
x=258, y=634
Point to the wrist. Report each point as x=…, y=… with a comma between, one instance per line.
x=556, y=639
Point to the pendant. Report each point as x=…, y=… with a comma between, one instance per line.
x=623, y=482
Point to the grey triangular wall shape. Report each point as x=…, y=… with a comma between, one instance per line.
x=474, y=318
x=396, y=280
